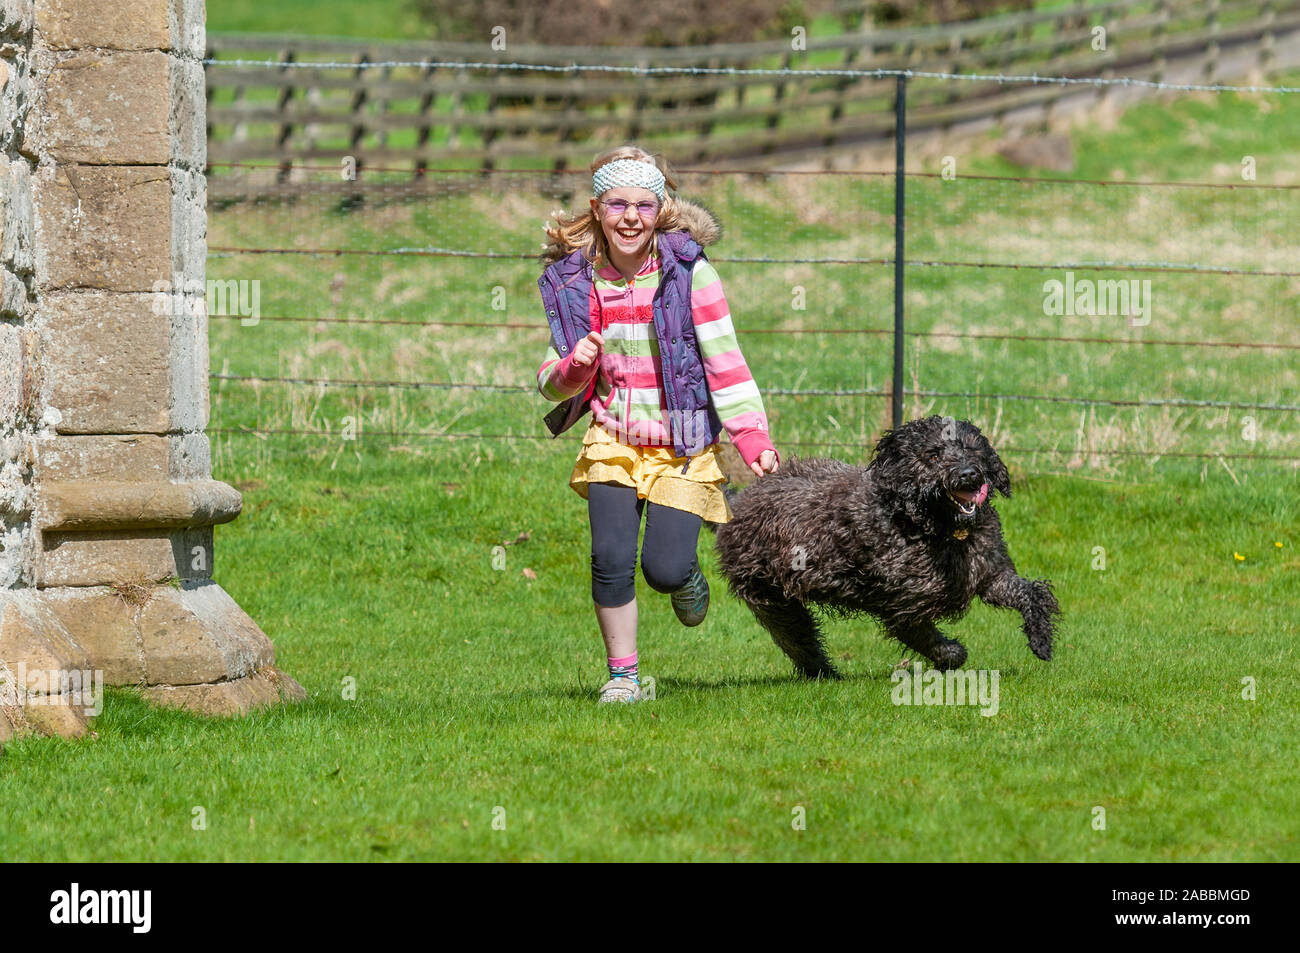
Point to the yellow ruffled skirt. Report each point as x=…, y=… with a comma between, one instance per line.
x=655, y=472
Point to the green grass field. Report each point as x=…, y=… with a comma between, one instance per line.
x=475, y=691
x=372, y=560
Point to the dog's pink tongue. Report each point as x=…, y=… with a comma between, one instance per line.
x=982, y=495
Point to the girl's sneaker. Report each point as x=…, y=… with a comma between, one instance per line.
x=691, y=602
x=620, y=690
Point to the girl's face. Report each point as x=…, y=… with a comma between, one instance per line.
x=629, y=233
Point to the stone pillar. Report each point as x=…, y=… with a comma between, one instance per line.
x=107, y=505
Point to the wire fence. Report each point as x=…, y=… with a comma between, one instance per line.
x=767, y=260
x=1032, y=79
x=441, y=104
x=318, y=319
x=777, y=391
x=343, y=443
x=1070, y=317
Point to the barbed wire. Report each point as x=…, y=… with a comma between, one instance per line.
x=464, y=435
x=886, y=173
x=1090, y=340
x=1045, y=180
x=1153, y=266
x=1110, y=402
x=843, y=72
x=781, y=392
x=975, y=335
x=222, y=251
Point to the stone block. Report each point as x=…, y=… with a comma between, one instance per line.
x=103, y=227
x=36, y=650
x=62, y=718
x=269, y=686
x=11, y=373
x=119, y=25
x=18, y=555
x=196, y=635
x=15, y=96
x=188, y=23
x=107, y=363
x=16, y=215
x=188, y=327
x=189, y=241
x=104, y=558
x=189, y=371
x=190, y=454
x=84, y=505
x=187, y=120
x=15, y=18
x=102, y=621
x=14, y=300
x=105, y=108
x=30, y=633
x=143, y=458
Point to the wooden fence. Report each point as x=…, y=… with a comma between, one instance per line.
x=415, y=117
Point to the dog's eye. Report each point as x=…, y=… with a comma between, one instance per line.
x=934, y=458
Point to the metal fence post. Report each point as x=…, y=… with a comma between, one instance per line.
x=900, y=149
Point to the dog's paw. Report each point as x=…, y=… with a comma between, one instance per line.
x=948, y=654
x=1042, y=647
x=820, y=673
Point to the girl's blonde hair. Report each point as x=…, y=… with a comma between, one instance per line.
x=582, y=229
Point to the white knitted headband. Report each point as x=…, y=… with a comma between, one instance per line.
x=630, y=173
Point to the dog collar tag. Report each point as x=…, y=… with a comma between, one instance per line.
x=960, y=533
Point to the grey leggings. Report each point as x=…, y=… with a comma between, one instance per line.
x=668, y=555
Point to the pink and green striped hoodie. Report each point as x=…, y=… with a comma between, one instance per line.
x=629, y=401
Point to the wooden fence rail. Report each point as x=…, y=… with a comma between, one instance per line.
x=480, y=117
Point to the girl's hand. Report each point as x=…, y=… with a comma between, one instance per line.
x=766, y=463
x=587, y=351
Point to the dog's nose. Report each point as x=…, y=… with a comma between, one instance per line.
x=968, y=475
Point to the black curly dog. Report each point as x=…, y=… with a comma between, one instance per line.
x=911, y=539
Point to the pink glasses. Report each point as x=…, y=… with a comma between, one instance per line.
x=618, y=207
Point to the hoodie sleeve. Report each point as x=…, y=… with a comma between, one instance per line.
x=559, y=379
x=732, y=388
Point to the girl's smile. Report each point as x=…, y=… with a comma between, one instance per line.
x=630, y=237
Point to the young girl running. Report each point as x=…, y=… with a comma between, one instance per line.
x=641, y=335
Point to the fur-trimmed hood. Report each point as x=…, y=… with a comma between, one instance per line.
x=700, y=222
x=702, y=225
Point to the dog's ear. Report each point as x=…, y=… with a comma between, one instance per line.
x=885, y=450
x=995, y=468
x=893, y=446
x=897, y=483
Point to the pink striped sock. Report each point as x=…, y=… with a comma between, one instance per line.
x=625, y=667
